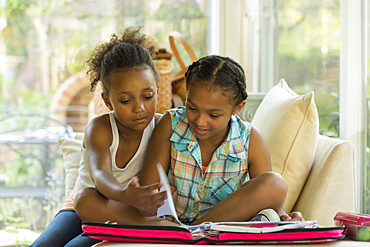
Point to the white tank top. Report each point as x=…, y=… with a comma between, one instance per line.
x=123, y=175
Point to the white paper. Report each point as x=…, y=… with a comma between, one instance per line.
x=244, y=229
x=168, y=208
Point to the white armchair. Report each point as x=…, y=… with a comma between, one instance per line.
x=319, y=170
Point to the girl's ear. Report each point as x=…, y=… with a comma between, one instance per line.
x=106, y=101
x=239, y=107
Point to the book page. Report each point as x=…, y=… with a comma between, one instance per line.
x=261, y=226
x=168, y=208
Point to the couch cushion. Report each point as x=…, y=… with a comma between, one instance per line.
x=71, y=148
x=329, y=190
x=290, y=125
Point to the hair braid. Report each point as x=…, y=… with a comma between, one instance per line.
x=240, y=80
x=219, y=71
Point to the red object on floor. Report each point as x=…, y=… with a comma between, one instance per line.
x=345, y=218
x=357, y=225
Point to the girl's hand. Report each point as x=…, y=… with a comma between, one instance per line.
x=294, y=216
x=145, y=198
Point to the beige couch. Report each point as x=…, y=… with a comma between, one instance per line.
x=319, y=170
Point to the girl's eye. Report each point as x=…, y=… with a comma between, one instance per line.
x=191, y=108
x=124, y=101
x=148, y=97
x=213, y=116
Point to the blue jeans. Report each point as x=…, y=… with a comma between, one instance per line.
x=64, y=230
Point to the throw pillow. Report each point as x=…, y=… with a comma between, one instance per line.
x=290, y=125
x=71, y=148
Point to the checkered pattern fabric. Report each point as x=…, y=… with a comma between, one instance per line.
x=194, y=194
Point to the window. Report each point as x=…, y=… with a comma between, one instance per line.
x=45, y=42
x=321, y=46
x=307, y=35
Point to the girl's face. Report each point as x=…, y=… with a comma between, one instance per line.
x=133, y=97
x=209, y=110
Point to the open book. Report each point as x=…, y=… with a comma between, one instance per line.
x=242, y=227
x=212, y=233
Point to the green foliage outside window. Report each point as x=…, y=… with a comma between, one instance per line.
x=308, y=46
x=43, y=43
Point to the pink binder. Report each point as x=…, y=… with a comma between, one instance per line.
x=205, y=235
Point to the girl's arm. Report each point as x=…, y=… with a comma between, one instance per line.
x=259, y=162
x=158, y=151
x=98, y=138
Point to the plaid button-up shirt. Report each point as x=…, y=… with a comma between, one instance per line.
x=194, y=194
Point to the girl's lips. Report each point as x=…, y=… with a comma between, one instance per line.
x=200, y=131
x=140, y=120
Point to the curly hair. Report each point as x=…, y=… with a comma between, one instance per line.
x=220, y=71
x=121, y=52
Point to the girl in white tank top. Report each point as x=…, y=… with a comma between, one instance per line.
x=123, y=175
x=104, y=191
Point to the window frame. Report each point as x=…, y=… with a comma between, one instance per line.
x=353, y=64
x=353, y=76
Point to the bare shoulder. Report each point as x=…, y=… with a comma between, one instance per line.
x=256, y=134
x=165, y=119
x=98, y=130
x=256, y=140
x=163, y=127
x=101, y=121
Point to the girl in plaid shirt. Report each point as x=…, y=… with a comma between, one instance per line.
x=218, y=166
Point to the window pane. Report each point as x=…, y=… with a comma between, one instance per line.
x=45, y=42
x=308, y=48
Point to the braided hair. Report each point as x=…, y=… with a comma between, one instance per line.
x=220, y=71
x=119, y=54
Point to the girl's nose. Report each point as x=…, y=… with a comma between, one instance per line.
x=139, y=107
x=200, y=120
